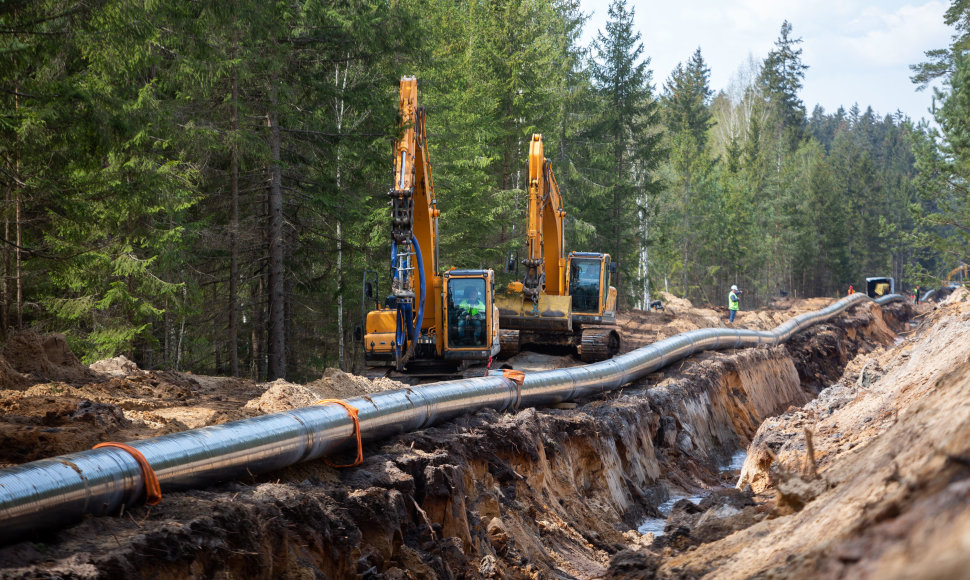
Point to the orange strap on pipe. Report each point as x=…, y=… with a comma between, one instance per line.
x=153, y=490
x=517, y=377
x=353, y=412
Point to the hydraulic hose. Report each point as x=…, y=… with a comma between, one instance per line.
x=394, y=259
x=420, y=320
x=59, y=491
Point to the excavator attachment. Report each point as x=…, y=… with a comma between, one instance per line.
x=551, y=313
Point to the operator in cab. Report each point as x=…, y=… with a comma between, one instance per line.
x=471, y=317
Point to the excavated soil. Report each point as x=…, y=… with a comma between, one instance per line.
x=541, y=493
x=884, y=491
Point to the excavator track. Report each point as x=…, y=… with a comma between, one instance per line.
x=509, y=343
x=598, y=343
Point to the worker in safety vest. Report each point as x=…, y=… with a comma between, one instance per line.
x=734, y=303
x=471, y=315
x=851, y=290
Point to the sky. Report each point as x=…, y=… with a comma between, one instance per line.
x=857, y=51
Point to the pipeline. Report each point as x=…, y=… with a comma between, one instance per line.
x=59, y=491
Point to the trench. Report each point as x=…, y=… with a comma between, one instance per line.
x=729, y=473
x=551, y=492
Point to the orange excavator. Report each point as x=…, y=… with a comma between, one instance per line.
x=564, y=301
x=432, y=324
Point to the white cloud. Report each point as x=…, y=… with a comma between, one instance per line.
x=899, y=37
x=858, y=50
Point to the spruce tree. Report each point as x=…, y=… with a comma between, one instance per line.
x=781, y=80
x=627, y=146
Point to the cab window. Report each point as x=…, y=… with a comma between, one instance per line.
x=467, y=313
x=584, y=285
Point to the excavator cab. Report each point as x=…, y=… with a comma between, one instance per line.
x=593, y=299
x=471, y=331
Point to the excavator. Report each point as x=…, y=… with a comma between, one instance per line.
x=562, y=300
x=432, y=324
x=958, y=276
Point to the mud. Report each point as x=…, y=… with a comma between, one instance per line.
x=542, y=493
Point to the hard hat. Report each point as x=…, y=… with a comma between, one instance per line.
x=734, y=286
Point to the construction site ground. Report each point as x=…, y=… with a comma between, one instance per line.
x=857, y=435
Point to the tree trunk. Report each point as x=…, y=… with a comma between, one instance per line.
x=617, y=213
x=277, y=328
x=341, y=346
x=16, y=251
x=686, y=247
x=234, y=224
x=16, y=202
x=257, y=370
x=644, y=252
x=167, y=356
x=5, y=287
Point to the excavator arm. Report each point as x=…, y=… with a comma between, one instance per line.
x=431, y=324
x=546, y=261
x=414, y=228
x=959, y=274
x=539, y=302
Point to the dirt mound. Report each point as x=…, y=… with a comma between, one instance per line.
x=44, y=357
x=39, y=426
x=10, y=378
x=537, y=493
x=682, y=307
x=335, y=384
x=118, y=366
x=961, y=294
x=283, y=396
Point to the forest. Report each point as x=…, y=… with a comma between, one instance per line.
x=202, y=185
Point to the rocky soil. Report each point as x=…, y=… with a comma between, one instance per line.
x=542, y=493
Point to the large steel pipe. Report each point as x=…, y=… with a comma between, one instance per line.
x=59, y=491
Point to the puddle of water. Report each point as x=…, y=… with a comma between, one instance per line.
x=737, y=461
x=655, y=526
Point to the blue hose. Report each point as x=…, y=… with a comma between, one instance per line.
x=394, y=259
x=417, y=254
x=405, y=313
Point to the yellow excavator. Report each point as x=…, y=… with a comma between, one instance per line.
x=432, y=324
x=958, y=276
x=562, y=300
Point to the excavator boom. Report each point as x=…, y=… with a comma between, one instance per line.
x=417, y=327
x=539, y=302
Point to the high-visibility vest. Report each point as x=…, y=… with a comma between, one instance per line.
x=733, y=302
x=473, y=308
